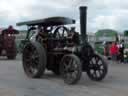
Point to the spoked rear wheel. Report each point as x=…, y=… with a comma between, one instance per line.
x=70, y=69
x=97, y=68
x=34, y=60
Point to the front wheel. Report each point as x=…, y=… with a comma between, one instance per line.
x=70, y=69
x=97, y=68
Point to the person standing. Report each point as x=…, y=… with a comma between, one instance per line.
x=121, y=51
x=1, y=40
x=114, y=51
x=106, y=49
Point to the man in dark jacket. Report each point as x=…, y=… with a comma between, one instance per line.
x=121, y=51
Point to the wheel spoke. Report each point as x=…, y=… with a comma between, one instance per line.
x=93, y=61
x=101, y=72
x=70, y=61
x=75, y=66
x=33, y=70
x=94, y=74
x=100, y=62
x=98, y=73
x=66, y=67
x=101, y=67
x=92, y=71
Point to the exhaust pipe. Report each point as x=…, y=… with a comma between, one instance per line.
x=83, y=23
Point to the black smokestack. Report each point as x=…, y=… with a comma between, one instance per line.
x=83, y=22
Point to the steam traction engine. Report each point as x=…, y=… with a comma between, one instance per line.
x=57, y=48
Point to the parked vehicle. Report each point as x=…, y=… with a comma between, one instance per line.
x=55, y=47
x=7, y=44
x=104, y=39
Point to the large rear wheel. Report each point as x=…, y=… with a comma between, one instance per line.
x=97, y=68
x=34, y=59
x=70, y=69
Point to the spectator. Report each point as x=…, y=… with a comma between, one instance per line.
x=1, y=40
x=106, y=48
x=121, y=51
x=118, y=45
x=114, y=51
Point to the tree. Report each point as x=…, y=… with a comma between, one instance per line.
x=126, y=33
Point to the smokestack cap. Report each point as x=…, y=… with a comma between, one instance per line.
x=83, y=7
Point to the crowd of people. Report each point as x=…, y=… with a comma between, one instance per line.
x=115, y=50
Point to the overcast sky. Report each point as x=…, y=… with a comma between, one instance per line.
x=101, y=13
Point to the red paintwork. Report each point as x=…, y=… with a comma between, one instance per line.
x=8, y=44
